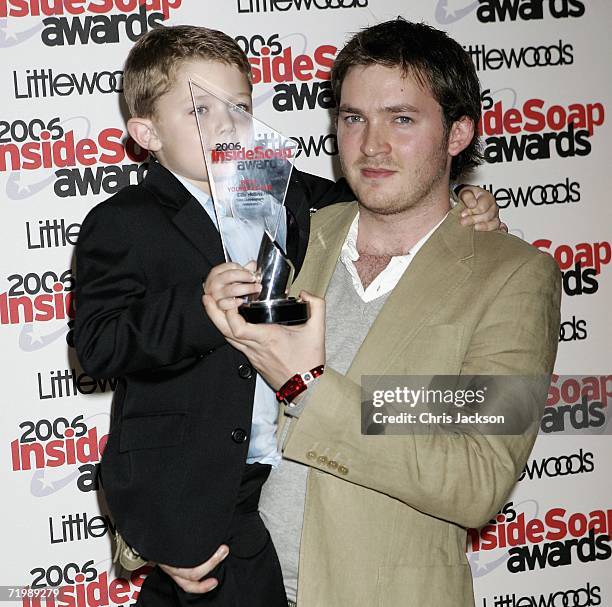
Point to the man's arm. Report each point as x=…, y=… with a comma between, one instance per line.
x=121, y=326
x=463, y=477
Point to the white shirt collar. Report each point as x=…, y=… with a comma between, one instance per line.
x=390, y=276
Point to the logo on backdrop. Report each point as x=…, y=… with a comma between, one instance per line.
x=559, y=466
x=580, y=264
x=495, y=11
x=65, y=22
x=577, y=404
x=316, y=145
x=78, y=527
x=47, y=144
x=299, y=78
x=537, y=129
x=21, y=185
x=573, y=330
x=487, y=58
x=44, y=82
x=557, y=538
x=50, y=233
x=270, y=6
x=9, y=36
x=60, y=451
x=34, y=297
x=83, y=585
x=523, y=196
x=587, y=595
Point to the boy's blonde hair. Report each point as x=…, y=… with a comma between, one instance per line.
x=152, y=62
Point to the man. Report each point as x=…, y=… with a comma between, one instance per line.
x=382, y=520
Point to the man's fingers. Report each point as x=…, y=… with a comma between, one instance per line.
x=240, y=328
x=190, y=579
x=216, y=315
x=229, y=303
x=198, y=587
x=188, y=585
x=316, y=305
x=197, y=573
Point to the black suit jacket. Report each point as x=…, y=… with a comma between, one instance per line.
x=173, y=463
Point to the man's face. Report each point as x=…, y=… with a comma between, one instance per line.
x=175, y=124
x=392, y=142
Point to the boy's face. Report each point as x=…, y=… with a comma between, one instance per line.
x=174, y=124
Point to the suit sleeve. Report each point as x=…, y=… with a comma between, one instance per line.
x=465, y=476
x=121, y=325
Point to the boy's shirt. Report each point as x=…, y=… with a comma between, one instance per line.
x=242, y=242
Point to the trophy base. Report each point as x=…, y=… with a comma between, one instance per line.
x=289, y=311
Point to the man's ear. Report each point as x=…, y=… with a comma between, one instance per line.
x=460, y=136
x=142, y=131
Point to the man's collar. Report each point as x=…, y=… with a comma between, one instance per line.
x=350, y=244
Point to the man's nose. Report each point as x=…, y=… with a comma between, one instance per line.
x=374, y=141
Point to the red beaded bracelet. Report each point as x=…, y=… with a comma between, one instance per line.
x=297, y=384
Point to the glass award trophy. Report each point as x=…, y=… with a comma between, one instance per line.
x=249, y=165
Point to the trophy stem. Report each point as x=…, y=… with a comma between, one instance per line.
x=272, y=305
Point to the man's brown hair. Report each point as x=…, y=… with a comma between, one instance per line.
x=434, y=60
x=151, y=64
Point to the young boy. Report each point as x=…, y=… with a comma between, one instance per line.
x=189, y=447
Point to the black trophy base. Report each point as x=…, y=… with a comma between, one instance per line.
x=289, y=311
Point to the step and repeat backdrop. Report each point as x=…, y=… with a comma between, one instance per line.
x=544, y=68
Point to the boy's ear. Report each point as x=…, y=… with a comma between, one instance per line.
x=460, y=136
x=142, y=131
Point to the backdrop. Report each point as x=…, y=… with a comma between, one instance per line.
x=544, y=67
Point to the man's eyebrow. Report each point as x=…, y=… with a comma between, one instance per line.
x=347, y=109
x=390, y=109
x=398, y=109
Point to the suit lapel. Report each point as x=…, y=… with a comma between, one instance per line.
x=322, y=255
x=187, y=213
x=324, y=249
x=195, y=224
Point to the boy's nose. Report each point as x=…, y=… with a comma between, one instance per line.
x=224, y=123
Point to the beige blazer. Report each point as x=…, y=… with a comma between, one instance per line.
x=386, y=516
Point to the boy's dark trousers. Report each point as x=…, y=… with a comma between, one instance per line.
x=250, y=576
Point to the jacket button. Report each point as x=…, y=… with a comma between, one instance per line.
x=239, y=435
x=332, y=463
x=342, y=469
x=322, y=459
x=245, y=371
x=311, y=455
